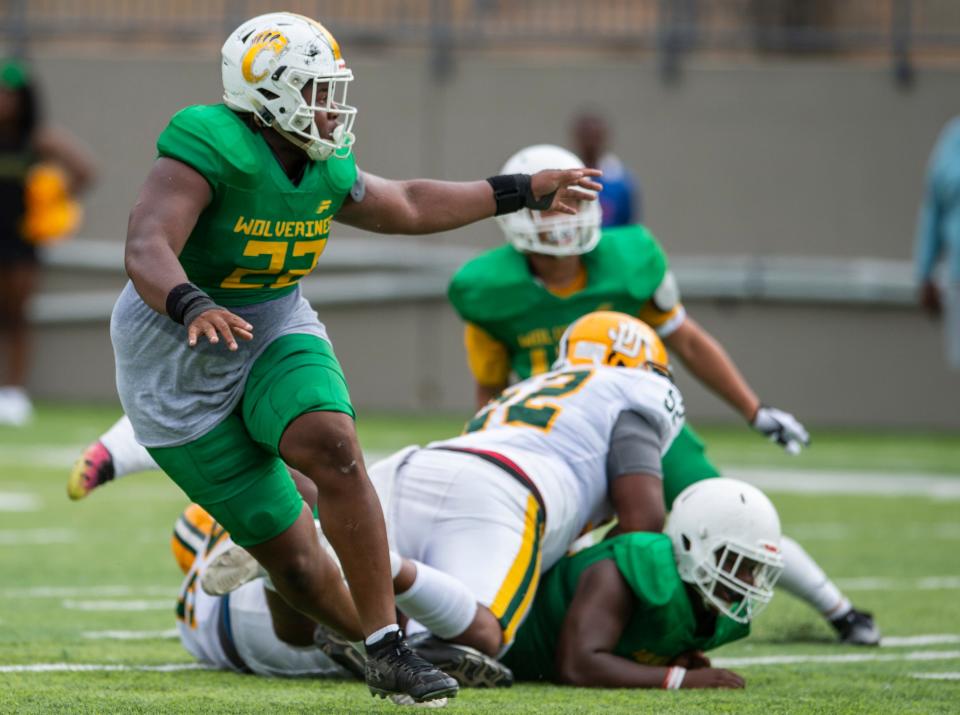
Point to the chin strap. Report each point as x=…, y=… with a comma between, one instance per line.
x=316, y=150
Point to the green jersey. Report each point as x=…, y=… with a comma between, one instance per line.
x=261, y=233
x=497, y=293
x=663, y=623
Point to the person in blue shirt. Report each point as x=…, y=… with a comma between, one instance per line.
x=938, y=237
x=620, y=200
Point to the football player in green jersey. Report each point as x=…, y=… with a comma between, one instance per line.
x=638, y=610
x=516, y=301
x=224, y=369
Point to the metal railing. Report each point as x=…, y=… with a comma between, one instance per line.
x=897, y=29
x=355, y=271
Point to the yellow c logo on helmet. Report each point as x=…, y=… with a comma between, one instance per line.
x=268, y=40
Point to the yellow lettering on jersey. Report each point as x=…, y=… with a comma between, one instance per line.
x=535, y=338
x=324, y=205
x=243, y=227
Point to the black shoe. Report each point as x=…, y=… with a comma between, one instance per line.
x=857, y=628
x=392, y=668
x=469, y=667
x=340, y=650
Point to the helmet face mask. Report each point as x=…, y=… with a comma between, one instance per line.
x=736, y=582
x=726, y=541
x=547, y=232
x=286, y=68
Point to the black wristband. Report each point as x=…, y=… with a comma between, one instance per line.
x=187, y=301
x=513, y=192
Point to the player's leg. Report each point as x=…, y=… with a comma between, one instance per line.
x=18, y=282
x=251, y=495
x=686, y=462
x=803, y=578
x=463, y=522
x=296, y=405
x=115, y=454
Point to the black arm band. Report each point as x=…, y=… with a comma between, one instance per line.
x=187, y=301
x=513, y=192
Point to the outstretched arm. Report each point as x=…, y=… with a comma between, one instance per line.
x=706, y=358
x=709, y=362
x=423, y=206
x=601, y=608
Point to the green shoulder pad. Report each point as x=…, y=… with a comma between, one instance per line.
x=215, y=142
x=646, y=562
x=496, y=285
x=630, y=256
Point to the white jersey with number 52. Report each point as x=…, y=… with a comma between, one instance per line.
x=567, y=416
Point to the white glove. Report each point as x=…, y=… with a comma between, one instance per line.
x=781, y=427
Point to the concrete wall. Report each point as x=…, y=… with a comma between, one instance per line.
x=802, y=158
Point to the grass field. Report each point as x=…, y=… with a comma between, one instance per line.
x=73, y=575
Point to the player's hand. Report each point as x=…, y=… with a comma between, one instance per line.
x=930, y=298
x=781, y=427
x=712, y=678
x=218, y=322
x=566, y=186
x=692, y=660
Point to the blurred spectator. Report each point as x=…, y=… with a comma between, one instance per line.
x=35, y=207
x=620, y=200
x=938, y=236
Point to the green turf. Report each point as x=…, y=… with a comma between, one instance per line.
x=114, y=547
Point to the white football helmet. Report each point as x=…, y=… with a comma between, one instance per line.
x=726, y=540
x=268, y=61
x=557, y=234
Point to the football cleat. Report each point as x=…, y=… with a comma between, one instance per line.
x=93, y=468
x=229, y=570
x=857, y=628
x=407, y=700
x=340, y=650
x=392, y=668
x=469, y=667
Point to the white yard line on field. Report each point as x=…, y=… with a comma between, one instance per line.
x=932, y=639
x=808, y=481
x=800, y=481
x=19, y=501
x=36, y=537
x=85, y=591
x=130, y=635
x=138, y=605
x=833, y=531
x=929, y=583
x=85, y=667
x=51, y=456
x=936, y=676
x=838, y=658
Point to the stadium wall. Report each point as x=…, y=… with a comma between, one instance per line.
x=801, y=158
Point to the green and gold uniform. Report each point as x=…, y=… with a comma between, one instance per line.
x=514, y=323
x=212, y=418
x=663, y=623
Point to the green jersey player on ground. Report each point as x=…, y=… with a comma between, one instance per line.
x=639, y=609
x=235, y=210
x=516, y=301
